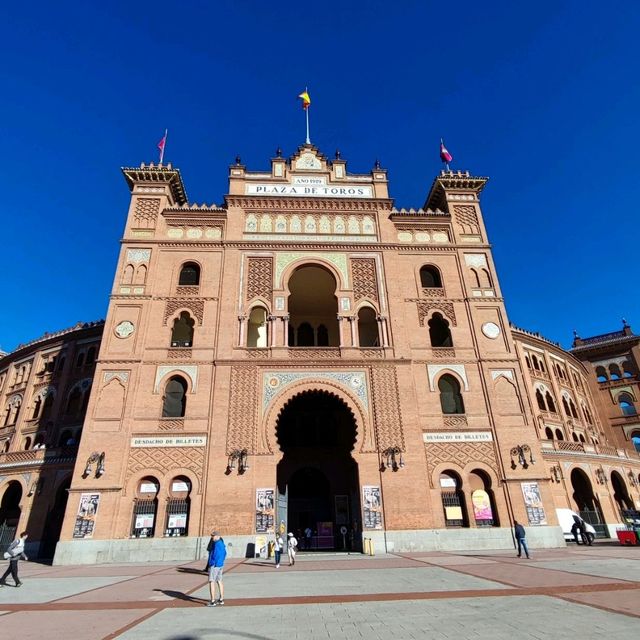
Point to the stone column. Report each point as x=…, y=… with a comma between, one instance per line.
x=382, y=330
x=285, y=325
x=352, y=322
x=272, y=330
x=340, y=336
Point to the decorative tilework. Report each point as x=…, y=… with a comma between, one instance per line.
x=273, y=382
x=338, y=260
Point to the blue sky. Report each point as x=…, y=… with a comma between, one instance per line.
x=542, y=98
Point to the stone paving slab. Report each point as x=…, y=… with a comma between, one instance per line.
x=619, y=601
x=525, y=574
x=81, y=625
x=357, y=581
x=49, y=589
x=530, y=618
x=617, y=568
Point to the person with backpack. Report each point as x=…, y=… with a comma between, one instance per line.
x=13, y=555
x=216, y=564
x=292, y=547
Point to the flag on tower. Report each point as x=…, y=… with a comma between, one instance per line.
x=445, y=156
x=162, y=144
x=306, y=100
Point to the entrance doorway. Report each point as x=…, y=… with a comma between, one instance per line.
x=9, y=514
x=317, y=478
x=587, y=502
x=55, y=518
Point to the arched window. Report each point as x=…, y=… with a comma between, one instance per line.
x=323, y=336
x=482, y=499
x=305, y=335
x=178, y=507
x=182, y=332
x=635, y=439
x=367, y=328
x=291, y=336
x=485, y=279
x=450, y=396
x=439, y=332
x=36, y=407
x=551, y=405
x=628, y=370
x=189, y=274
x=572, y=407
x=549, y=433
x=574, y=436
x=65, y=437
x=565, y=406
x=80, y=360
x=27, y=444
x=540, y=400
x=453, y=502
x=542, y=365
x=48, y=405
x=601, y=374
x=614, y=371
x=627, y=406
x=475, y=278
x=145, y=508
x=536, y=364
x=528, y=361
x=91, y=356
x=127, y=276
x=257, y=329
x=175, y=398
x=75, y=402
x=430, y=277
x=559, y=434
x=581, y=437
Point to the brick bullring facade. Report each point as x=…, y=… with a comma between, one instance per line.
x=307, y=356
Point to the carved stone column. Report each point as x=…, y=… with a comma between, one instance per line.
x=340, y=336
x=285, y=325
x=382, y=330
x=272, y=330
x=352, y=322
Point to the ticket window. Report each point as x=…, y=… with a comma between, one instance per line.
x=145, y=508
x=178, y=507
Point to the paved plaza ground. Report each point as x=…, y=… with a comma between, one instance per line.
x=577, y=592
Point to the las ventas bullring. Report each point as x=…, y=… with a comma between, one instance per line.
x=307, y=356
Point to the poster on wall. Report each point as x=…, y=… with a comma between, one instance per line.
x=372, y=506
x=481, y=506
x=86, y=517
x=264, y=510
x=177, y=521
x=533, y=503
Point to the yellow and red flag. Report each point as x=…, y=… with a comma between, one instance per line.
x=306, y=100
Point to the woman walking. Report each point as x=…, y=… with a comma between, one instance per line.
x=13, y=555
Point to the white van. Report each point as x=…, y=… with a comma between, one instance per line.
x=565, y=519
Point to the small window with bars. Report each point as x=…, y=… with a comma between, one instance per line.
x=177, y=517
x=144, y=518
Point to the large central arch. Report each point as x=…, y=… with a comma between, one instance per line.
x=317, y=477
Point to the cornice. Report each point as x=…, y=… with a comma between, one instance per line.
x=252, y=204
x=157, y=173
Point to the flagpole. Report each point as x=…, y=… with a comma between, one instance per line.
x=166, y=133
x=307, y=112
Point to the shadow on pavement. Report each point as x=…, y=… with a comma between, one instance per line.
x=179, y=595
x=191, y=570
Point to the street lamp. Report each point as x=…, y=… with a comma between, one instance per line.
x=520, y=452
x=394, y=460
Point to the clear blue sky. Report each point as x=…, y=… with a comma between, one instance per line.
x=542, y=97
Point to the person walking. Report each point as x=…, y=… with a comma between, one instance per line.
x=216, y=563
x=209, y=547
x=278, y=546
x=307, y=538
x=13, y=555
x=292, y=545
x=521, y=535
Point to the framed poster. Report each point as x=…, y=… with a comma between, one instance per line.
x=86, y=516
x=372, y=507
x=533, y=503
x=177, y=521
x=481, y=505
x=264, y=510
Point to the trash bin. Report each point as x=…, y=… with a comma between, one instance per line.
x=627, y=537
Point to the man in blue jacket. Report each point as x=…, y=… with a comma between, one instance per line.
x=521, y=538
x=217, y=556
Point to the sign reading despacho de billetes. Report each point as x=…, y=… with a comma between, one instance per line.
x=458, y=436
x=169, y=441
x=319, y=191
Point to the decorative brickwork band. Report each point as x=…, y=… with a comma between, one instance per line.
x=425, y=307
x=386, y=408
x=243, y=404
x=194, y=305
x=260, y=278
x=460, y=454
x=146, y=212
x=166, y=459
x=465, y=215
x=365, y=283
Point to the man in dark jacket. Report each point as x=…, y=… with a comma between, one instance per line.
x=520, y=535
x=216, y=563
x=13, y=554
